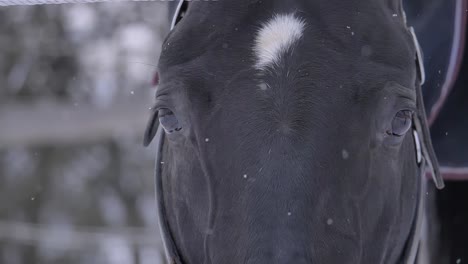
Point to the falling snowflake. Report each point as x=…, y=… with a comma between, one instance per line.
x=345, y=154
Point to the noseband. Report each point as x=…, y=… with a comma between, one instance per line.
x=425, y=155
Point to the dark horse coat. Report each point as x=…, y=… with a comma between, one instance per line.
x=292, y=199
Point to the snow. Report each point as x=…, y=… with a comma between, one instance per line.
x=113, y=210
x=79, y=19
x=116, y=251
x=344, y=154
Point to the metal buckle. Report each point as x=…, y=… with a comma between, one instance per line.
x=417, y=144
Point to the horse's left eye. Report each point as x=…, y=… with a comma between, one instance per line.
x=401, y=123
x=169, y=121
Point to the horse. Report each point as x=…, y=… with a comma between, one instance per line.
x=258, y=100
x=291, y=132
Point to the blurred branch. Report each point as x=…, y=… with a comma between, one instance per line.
x=76, y=237
x=51, y=122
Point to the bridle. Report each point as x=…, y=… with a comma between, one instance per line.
x=425, y=155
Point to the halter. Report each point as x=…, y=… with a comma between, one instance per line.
x=425, y=155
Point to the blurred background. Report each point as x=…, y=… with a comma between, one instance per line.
x=76, y=185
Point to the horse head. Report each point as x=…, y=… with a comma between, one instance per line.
x=293, y=133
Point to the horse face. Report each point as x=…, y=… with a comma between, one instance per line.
x=288, y=132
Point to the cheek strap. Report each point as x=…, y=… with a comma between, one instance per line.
x=421, y=134
x=179, y=12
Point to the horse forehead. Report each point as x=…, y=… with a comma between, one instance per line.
x=263, y=39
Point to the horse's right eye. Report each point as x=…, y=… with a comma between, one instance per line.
x=169, y=121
